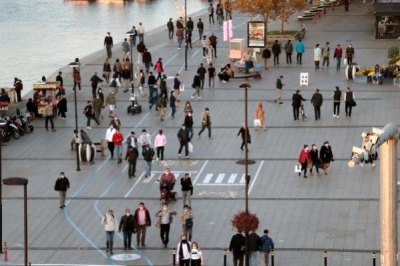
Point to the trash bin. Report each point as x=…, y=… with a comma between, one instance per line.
x=87, y=152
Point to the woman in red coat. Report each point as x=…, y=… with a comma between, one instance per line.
x=304, y=158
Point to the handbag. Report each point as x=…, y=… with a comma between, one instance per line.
x=353, y=103
x=297, y=168
x=134, y=230
x=345, y=61
x=309, y=165
x=176, y=104
x=257, y=122
x=158, y=224
x=181, y=87
x=190, y=147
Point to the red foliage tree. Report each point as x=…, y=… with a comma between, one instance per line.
x=245, y=222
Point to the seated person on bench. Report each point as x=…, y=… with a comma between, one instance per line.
x=226, y=73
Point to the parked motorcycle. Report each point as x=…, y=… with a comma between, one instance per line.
x=9, y=128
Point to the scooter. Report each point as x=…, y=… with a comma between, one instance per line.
x=26, y=125
x=9, y=128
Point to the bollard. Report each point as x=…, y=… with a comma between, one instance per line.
x=225, y=253
x=272, y=258
x=173, y=256
x=325, y=258
x=374, y=259
x=5, y=255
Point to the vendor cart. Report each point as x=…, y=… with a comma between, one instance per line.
x=44, y=92
x=236, y=49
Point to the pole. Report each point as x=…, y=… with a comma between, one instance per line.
x=173, y=256
x=246, y=158
x=185, y=32
x=1, y=197
x=388, y=203
x=374, y=259
x=133, y=89
x=272, y=258
x=26, y=222
x=77, y=132
x=325, y=258
x=225, y=253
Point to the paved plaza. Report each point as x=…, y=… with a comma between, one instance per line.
x=338, y=213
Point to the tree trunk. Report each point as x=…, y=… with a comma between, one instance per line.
x=266, y=28
x=282, y=24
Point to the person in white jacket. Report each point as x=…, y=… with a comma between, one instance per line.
x=110, y=225
x=145, y=138
x=159, y=143
x=183, y=252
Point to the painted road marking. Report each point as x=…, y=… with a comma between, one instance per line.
x=208, y=178
x=220, y=178
x=232, y=178
x=243, y=179
x=148, y=179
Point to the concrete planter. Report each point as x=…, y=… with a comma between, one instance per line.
x=362, y=79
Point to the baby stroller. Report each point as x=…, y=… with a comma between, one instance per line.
x=166, y=193
x=134, y=108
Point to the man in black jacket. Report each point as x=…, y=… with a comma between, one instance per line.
x=296, y=103
x=170, y=26
x=126, y=225
x=62, y=185
x=254, y=247
x=237, y=248
x=108, y=43
x=276, y=50
x=95, y=80
x=337, y=95
x=184, y=139
x=317, y=100
x=189, y=124
x=202, y=74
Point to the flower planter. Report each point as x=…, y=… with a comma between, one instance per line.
x=362, y=79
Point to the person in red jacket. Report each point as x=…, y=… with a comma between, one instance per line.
x=304, y=158
x=159, y=68
x=117, y=139
x=338, y=55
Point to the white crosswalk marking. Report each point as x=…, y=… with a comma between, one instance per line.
x=232, y=178
x=148, y=179
x=220, y=178
x=242, y=180
x=207, y=179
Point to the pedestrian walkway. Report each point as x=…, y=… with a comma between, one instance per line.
x=338, y=213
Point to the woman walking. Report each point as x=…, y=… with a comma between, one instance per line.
x=159, y=143
x=259, y=117
x=196, y=256
x=187, y=108
x=326, y=156
x=304, y=159
x=314, y=159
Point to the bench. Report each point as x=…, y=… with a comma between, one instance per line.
x=256, y=75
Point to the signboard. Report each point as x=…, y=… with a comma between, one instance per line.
x=256, y=34
x=228, y=30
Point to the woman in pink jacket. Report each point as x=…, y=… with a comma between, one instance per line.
x=159, y=142
x=304, y=158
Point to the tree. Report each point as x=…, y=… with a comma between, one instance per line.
x=269, y=9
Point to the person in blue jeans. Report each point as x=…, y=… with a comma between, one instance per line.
x=266, y=245
x=148, y=154
x=172, y=103
x=110, y=225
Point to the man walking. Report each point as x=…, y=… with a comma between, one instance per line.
x=276, y=50
x=142, y=219
x=200, y=28
x=141, y=32
x=211, y=13
x=126, y=225
x=338, y=53
x=348, y=101
x=202, y=75
x=165, y=217
x=131, y=156
x=337, y=95
x=213, y=40
x=254, y=247
x=148, y=154
x=266, y=245
x=350, y=54
x=95, y=80
x=289, y=51
x=90, y=114
x=184, y=139
x=109, y=138
x=183, y=251
x=279, y=87
x=299, y=50
x=48, y=110
x=189, y=123
x=325, y=55
x=236, y=248
x=211, y=77
x=62, y=185
x=170, y=27
x=206, y=122
x=317, y=100
x=296, y=103
x=108, y=43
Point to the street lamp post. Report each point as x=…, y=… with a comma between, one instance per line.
x=72, y=65
x=246, y=163
x=1, y=198
x=131, y=35
x=20, y=181
x=186, y=37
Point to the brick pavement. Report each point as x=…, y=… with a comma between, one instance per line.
x=338, y=213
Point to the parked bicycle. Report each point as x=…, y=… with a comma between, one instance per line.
x=302, y=33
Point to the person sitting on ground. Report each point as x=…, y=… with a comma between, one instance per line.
x=226, y=73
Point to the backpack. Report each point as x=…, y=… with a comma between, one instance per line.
x=189, y=223
x=113, y=83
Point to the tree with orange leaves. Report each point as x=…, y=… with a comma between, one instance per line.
x=269, y=9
